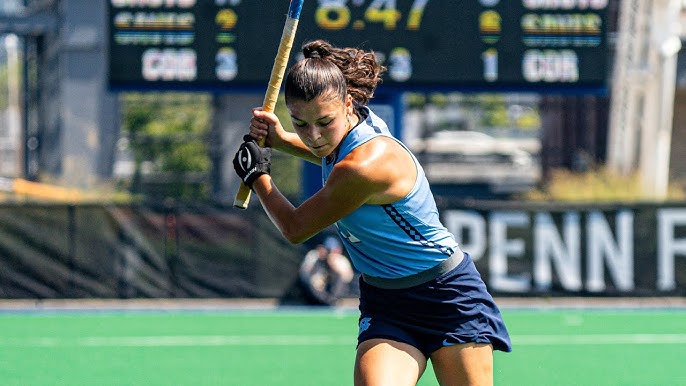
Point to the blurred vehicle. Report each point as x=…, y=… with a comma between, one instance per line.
x=506, y=165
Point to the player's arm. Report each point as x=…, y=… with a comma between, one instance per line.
x=345, y=191
x=369, y=174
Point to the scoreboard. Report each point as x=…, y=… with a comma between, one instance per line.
x=448, y=44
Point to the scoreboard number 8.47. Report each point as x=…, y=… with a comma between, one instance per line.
x=337, y=14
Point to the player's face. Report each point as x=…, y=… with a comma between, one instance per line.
x=321, y=123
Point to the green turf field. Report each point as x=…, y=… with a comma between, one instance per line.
x=303, y=347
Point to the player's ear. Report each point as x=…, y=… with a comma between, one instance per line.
x=349, y=105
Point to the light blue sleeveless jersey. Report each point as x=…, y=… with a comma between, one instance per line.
x=398, y=239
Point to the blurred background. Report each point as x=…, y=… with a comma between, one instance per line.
x=551, y=133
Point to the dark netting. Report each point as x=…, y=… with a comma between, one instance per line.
x=148, y=251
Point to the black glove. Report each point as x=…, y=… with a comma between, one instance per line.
x=251, y=161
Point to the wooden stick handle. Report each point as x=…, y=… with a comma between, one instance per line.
x=278, y=70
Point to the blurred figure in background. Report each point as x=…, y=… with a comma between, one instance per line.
x=326, y=273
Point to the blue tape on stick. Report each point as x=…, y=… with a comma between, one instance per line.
x=295, y=8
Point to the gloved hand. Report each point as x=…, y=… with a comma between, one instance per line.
x=251, y=161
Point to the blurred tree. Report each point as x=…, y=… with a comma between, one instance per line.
x=168, y=138
x=168, y=135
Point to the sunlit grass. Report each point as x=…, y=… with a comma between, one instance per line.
x=601, y=185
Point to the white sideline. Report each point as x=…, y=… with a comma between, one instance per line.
x=535, y=303
x=322, y=340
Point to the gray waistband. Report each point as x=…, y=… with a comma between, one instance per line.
x=446, y=265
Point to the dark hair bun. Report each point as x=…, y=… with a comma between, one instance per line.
x=355, y=69
x=316, y=49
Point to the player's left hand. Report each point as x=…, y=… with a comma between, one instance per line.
x=251, y=161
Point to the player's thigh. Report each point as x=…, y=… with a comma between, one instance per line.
x=386, y=362
x=464, y=364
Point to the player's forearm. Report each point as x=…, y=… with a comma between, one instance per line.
x=280, y=211
x=292, y=145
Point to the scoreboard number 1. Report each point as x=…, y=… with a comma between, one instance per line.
x=490, y=58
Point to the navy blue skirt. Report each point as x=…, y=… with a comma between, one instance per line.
x=450, y=309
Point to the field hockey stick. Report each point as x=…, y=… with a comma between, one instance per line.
x=278, y=70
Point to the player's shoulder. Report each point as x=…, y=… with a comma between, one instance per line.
x=380, y=163
x=378, y=147
x=371, y=155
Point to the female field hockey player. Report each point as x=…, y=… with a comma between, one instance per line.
x=421, y=297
